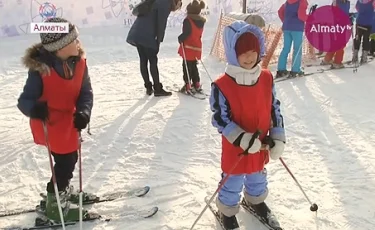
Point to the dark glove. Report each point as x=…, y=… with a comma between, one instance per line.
x=80, y=120
x=39, y=111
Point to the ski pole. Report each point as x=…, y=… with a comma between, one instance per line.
x=313, y=206
x=54, y=181
x=185, y=62
x=255, y=135
x=80, y=181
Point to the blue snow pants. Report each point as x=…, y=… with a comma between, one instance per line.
x=295, y=37
x=255, y=186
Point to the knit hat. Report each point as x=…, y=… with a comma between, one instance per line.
x=246, y=42
x=195, y=7
x=55, y=41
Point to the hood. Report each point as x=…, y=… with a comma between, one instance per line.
x=233, y=32
x=292, y=1
x=38, y=59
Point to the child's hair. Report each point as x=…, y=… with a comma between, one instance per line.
x=195, y=7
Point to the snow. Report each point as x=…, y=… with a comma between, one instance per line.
x=170, y=145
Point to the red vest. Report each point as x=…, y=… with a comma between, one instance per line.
x=250, y=108
x=193, y=43
x=61, y=96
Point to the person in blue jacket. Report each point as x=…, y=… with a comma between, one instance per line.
x=365, y=9
x=146, y=34
x=293, y=15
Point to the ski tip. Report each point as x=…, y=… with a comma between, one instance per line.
x=142, y=191
x=151, y=212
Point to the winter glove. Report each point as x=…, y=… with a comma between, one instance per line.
x=245, y=142
x=277, y=150
x=39, y=111
x=372, y=36
x=80, y=120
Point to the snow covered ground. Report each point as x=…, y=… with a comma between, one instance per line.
x=169, y=143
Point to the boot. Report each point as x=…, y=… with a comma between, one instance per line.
x=186, y=88
x=337, y=66
x=159, y=91
x=281, y=73
x=198, y=87
x=229, y=222
x=70, y=211
x=355, y=56
x=264, y=212
x=324, y=63
x=149, y=89
x=296, y=74
x=364, y=57
x=86, y=197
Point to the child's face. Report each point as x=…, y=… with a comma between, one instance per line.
x=70, y=50
x=248, y=60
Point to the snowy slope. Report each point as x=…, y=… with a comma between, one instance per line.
x=169, y=143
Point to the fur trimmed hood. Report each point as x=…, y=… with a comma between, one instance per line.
x=38, y=59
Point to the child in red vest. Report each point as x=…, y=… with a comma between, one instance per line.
x=243, y=101
x=58, y=93
x=191, y=45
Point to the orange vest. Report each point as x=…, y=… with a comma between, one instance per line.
x=193, y=43
x=250, y=108
x=61, y=96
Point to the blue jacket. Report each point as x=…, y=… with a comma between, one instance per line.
x=37, y=59
x=221, y=118
x=365, y=10
x=373, y=24
x=149, y=30
x=344, y=6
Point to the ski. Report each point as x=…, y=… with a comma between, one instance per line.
x=43, y=223
x=216, y=214
x=252, y=212
x=290, y=78
x=138, y=192
x=195, y=94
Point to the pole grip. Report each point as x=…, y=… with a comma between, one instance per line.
x=252, y=140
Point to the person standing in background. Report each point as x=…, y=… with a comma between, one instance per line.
x=146, y=34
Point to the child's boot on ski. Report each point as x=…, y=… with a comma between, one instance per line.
x=186, y=88
x=229, y=222
x=337, y=66
x=70, y=211
x=198, y=87
x=265, y=213
x=86, y=197
x=293, y=74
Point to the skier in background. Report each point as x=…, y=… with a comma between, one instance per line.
x=293, y=15
x=191, y=45
x=243, y=101
x=58, y=92
x=337, y=56
x=365, y=9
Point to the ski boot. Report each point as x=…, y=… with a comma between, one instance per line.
x=186, y=89
x=198, y=87
x=70, y=211
x=364, y=57
x=281, y=73
x=87, y=198
x=337, y=66
x=229, y=222
x=265, y=214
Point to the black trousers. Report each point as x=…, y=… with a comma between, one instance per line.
x=372, y=46
x=193, y=72
x=64, y=167
x=148, y=55
x=362, y=34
